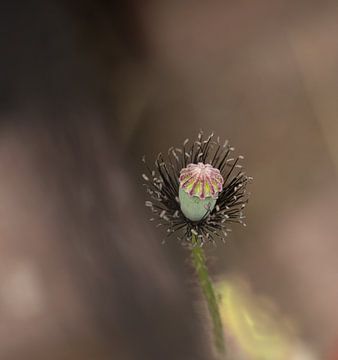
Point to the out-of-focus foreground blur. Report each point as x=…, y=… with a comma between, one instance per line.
x=87, y=88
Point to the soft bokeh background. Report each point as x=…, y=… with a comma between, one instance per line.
x=262, y=74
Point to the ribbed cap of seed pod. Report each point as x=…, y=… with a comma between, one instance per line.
x=201, y=180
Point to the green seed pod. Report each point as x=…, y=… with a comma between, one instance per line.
x=195, y=208
x=200, y=185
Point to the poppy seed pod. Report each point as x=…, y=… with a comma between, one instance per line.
x=200, y=185
x=198, y=189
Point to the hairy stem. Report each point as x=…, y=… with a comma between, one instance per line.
x=205, y=282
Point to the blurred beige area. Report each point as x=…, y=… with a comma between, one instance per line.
x=262, y=74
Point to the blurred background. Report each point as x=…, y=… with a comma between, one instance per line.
x=88, y=87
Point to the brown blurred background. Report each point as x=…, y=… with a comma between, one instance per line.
x=89, y=87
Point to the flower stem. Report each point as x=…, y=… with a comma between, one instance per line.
x=205, y=282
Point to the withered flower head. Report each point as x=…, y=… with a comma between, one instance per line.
x=198, y=189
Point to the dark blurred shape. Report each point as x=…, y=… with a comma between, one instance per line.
x=82, y=277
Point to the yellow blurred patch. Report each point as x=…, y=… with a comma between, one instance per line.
x=253, y=323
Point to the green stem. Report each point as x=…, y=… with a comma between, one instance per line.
x=205, y=282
